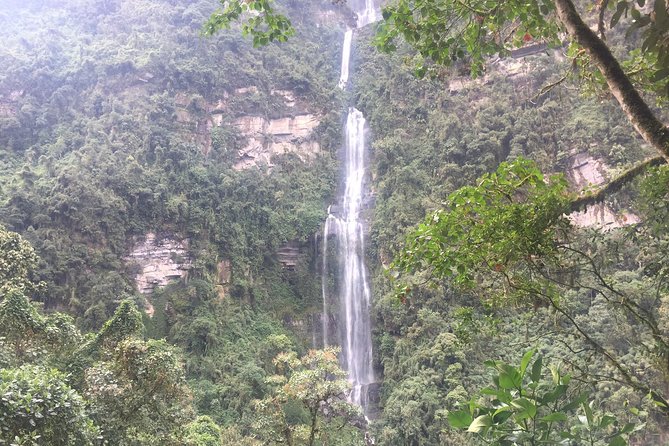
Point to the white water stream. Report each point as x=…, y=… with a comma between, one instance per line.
x=345, y=58
x=354, y=296
x=367, y=15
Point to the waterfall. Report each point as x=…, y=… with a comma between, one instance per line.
x=367, y=15
x=345, y=223
x=345, y=58
x=355, y=295
x=327, y=229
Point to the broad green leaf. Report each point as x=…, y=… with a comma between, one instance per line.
x=629, y=427
x=459, y=419
x=480, y=423
x=587, y=408
x=556, y=394
x=575, y=402
x=617, y=441
x=509, y=378
x=620, y=9
x=536, y=370
x=606, y=421
x=660, y=74
x=526, y=361
x=555, y=416
x=501, y=410
x=527, y=408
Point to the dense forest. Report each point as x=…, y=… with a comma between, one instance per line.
x=167, y=169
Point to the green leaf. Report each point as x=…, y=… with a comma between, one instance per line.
x=527, y=408
x=588, y=412
x=660, y=74
x=526, y=361
x=480, y=423
x=617, y=441
x=509, y=378
x=606, y=421
x=629, y=427
x=556, y=394
x=502, y=395
x=536, y=370
x=501, y=410
x=459, y=419
x=580, y=399
x=555, y=416
x=555, y=373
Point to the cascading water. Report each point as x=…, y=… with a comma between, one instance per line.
x=345, y=58
x=367, y=15
x=348, y=228
x=355, y=294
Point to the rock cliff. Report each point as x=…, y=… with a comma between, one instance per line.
x=291, y=130
x=159, y=260
x=587, y=172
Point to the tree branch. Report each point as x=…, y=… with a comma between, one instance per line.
x=651, y=129
x=546, y=88
x=603, y=4
x=614, y=185
x=640, y=387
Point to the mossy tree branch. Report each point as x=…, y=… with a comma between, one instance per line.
x=615, y=185
x=651, y=129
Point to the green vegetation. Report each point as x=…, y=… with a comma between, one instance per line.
x=119, y=118
x=528, y=410
x=496, y=306
x=107, y=133
x=315, y=385
x=60, y=387
x=38, y=407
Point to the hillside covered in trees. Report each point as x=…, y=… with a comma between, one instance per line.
x=167, y=169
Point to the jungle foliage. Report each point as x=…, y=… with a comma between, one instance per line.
x=102, y=140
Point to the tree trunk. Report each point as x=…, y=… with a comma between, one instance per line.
x=314, y=421
x=640, y=115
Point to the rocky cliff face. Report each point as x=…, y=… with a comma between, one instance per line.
x=587, y=172
x=288, y=254
x=159, y=260
x=268, y=137
x=291, y=131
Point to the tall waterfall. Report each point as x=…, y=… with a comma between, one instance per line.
x=355, y=295
x=346, y=225
x=345, y=58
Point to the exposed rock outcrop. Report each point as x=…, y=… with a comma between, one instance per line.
x=587, y=172
x=264, y=136
x=223, y=276
x=159, y=261
x=288, y=254
x=288, y=96
x=268, y=137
